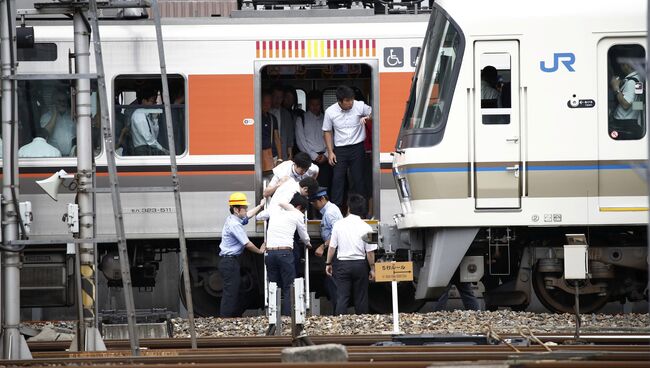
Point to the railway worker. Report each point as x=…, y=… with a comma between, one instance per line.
x=297, y=169
x=625, y=117
x=144, y=127
x=39, y=147
x=279, y=258
x=309, y=137
x=344, y=132
x=330, y=215
x=285, y=123
x=466, y=294
x=233, y=243
x=58, y=122
x=355, y=259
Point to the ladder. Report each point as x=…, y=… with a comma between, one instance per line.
x=88, y=336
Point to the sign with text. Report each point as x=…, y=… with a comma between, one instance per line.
x=393, y=271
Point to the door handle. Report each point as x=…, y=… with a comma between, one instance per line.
x=513, y=169
x=513, y=139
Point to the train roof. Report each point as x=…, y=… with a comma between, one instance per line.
x=497, y=17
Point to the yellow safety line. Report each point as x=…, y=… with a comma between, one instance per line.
x=623, y=209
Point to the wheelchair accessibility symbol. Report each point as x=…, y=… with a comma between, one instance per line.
x=393, y=57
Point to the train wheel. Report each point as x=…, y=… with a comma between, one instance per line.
x=379, y=298
x=204, y=303
x=560, y=301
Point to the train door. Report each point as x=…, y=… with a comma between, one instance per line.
x=622, y=138
x=497, y=140
x=321, y=79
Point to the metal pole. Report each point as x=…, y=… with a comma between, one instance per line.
x=647, y=123
x=114, y=184
x=13, y=343
x=175, y=179
x=89, y=331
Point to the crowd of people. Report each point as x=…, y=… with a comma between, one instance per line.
x=336, y=142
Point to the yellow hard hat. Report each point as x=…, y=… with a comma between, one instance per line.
x=238, y=199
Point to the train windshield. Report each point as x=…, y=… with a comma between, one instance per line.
x=435, y=78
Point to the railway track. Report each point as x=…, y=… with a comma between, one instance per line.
x=605, y=351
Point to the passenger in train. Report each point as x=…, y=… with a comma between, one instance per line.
x=233, y=242
x=39, y=146
x=489, y=93
x=58, y=122
x=330, y=215
x=271, y=143
x=298, y=168
x=144, y=126
x=344, y=132
x=279, y=258
x=466, y=294
x=286, y=190
x=624, y=117
x=285, y=123
x=355, y=263
x=309, y=137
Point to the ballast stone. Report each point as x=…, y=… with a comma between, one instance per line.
x=316, y=353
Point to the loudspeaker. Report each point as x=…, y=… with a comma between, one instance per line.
x=51, y=185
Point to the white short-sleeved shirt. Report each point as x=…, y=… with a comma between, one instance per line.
x=282, y=226
x=286, y=169
x=347, y=236
x=283, y=194
x=346, y=124
x=38, y=148
x=628, y=90
x=63, y=133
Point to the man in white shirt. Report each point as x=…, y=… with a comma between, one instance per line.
x=39, y=147
x=144, y=126
x=489, y=94
x=344, y=132
x=279, y=258
x=297, y=169
x=355, y=259
x=285, y=192
x=59, y=124
x=309, y=137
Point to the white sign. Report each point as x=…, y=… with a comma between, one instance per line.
x=148, y=210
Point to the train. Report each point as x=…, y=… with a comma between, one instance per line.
x=515, y=139
x=487, y=187
x=217, y=69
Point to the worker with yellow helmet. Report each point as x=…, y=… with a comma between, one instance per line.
x=233, y=242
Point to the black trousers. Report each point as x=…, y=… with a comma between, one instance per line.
x=229, y=270
x=347, y=157
x=281, y=269
x=351, y=279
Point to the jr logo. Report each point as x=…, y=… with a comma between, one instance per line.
x=566, y=58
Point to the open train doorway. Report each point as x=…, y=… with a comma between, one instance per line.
x=299, y=94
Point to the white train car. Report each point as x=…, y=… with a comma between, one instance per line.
x=217, y=70
x=515, y=135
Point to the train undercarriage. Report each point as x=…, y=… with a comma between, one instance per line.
x=511, y=264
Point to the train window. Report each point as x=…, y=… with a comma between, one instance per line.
x=495, y=88
x=139, y=120
x=627, y=89
x=46, y=123
x=41, y=51
x=435, y=76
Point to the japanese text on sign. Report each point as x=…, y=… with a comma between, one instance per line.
x=393, y=271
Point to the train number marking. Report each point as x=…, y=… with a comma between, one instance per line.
x=148, y=210
x=566, y=58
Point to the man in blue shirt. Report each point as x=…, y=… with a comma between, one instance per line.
x=233, y=242
x=331, y=214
